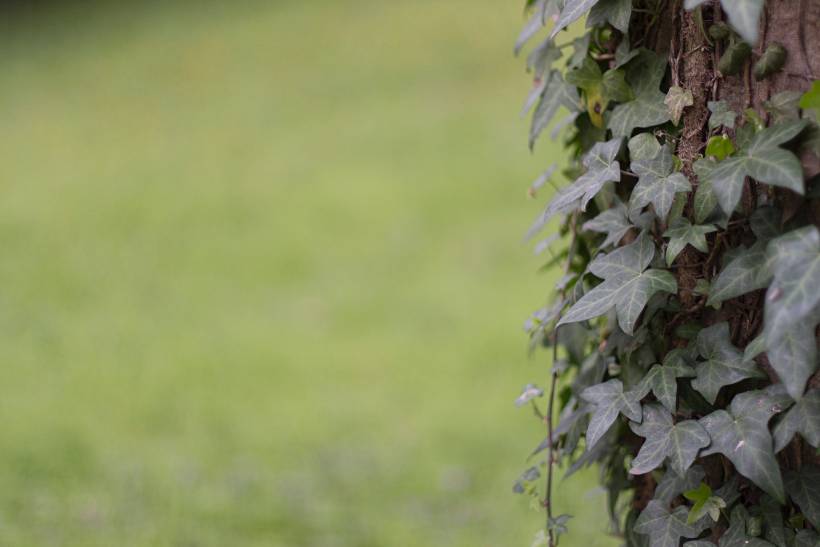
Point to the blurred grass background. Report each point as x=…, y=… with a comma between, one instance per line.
x=262, y=280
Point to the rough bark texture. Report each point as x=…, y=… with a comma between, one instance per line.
x=693, y=59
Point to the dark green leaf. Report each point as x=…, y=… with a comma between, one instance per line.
x=683, y=233
x=804, y=488
x=609, y=400
x=803, y=418
x=724, y=363
x=657, y=184
x=662, y=379
x=679, y=442
x=665, y=528
x=647, y=109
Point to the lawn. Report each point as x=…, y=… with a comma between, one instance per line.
x=262, y=277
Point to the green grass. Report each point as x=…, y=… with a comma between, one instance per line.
x=262, y=280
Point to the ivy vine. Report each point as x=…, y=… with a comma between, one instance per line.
x=683, y=329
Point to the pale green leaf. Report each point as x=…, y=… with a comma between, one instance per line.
x=721, y=115
x=557, y=93
x=643, y=146
x=608, y=400
x=573, y=10
x=744, y=16
x=626, y=287
x=677, y=98
x=657, y=184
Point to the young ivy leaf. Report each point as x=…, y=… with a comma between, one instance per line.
x=679, y=442
x=811, y=98
x=609, y=400
x=719, y=147
x=763, y=160
x=664, y=528
x=705, y=200
x=662, y=379
x=724, y=363
x=742, y=435
x=613, y=222
x=803, y=418
x=804, y=488
x=704, y=503
x=793, y=307
x=626, y=287
x=657, y=184
x=644, y=74
x=601, y=166
x=683, y=233
x=721, y=115
x=677, y=98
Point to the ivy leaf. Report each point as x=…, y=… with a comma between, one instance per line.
x=662, y=379
x=783, y=105
x=755, y=348
x=643, y=146
x=683, y=233
x=744, y=16
x=772, y=515
x=615, y=87
x=806, y=538
x=742, y=435
x=601, y=166
x=804, y=489
x=719, y=147
x=680, y=442
x=721, y=115
x=724, y=363
x=613, y=222
x=657, y=183
x=644, y=74
x=614, y=12
x=795, y=292
x=609, y=400
x=704, y=503
x=626, y=287
x=556, y=93
x=573, y=10
x=794, y=357
x=672, y=485
x=664, y=528
x=705, y=199
x=677, y=98
x=811, y=98
x=736, y=535
x=530, y=392
x=803, y=418
x=761, y=159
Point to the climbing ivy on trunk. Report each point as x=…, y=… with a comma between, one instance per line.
x=683, y=330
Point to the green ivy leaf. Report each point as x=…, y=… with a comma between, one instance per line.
x=811, y=98
x=657, y=184
x=721, y=115
x=643, y=146
x=736, y=535
x=763, y=160
x=804, y=488
x=626, y=287
x=803, y=418
x=783, y=105
x=573, y=10
x=806, y=538
x=683, y=233
x=677, y=98
x=793, y=307
x=609, y=400
x=705, y=200
x=724, y=363
x=665, y=528
x=662, y=379
x=672, y=485
x=615, y=87
x=613, y=222
x=679, y=442
x=704, y=504
x=719, y=147
x=644, y=74
x=755, y=348
x=556, y=93
x=601, y=167
x=773, y=516
x=614, y=12
x=742, y=435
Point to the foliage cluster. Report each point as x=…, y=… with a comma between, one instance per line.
x=683, y=329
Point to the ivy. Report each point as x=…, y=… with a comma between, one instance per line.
x=683, y=325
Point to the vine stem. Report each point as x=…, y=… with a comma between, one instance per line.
x=553, y=540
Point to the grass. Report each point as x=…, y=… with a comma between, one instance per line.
x=262, y=280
